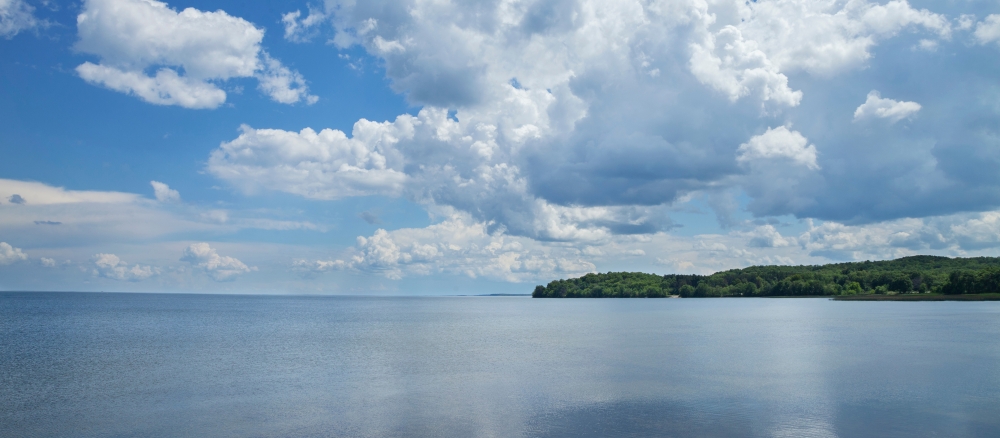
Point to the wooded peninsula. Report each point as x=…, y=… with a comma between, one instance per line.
x=908, y=278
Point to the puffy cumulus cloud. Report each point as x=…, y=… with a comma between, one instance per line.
x=220, y=268
x=110, y=266
x=429, y=158
x=47, y=262
x=779, y=143
x=324, y=165
x=826, y=37
x=164, y=193
x=988, y=30
x=10, y=254
x=779, y=163
x=878, y=107
x=766, y=236
x=16, y=16
x=458, y=246
x=736, y=67
x=133, y=36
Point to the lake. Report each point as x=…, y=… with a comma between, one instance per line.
x=90, y=364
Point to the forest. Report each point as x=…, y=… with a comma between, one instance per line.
x=907, y=275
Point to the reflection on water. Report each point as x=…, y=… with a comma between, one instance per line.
x=189, y=365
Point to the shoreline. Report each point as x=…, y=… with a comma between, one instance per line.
x=870, y=297
x=919, y=297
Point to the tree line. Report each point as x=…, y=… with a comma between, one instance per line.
x=916, y=274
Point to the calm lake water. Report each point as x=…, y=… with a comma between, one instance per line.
x=202, y=365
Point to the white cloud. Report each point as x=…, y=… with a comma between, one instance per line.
x=283, y=84
x=166, y=88
x=302, y=30
x=55, y=217
x=132, y=36
x=324, y=165
x=220, y=268
x=164, y=193
x=16, y=16
x=637, y=106
x=318, y=266
x=590, y=143
x=766, y=236
x=965, y=21
x=988, y=30
x=110, y=266
x=826, y=37
x=728, y=63
x=461, y=246
x=47, y=262
x=35, y=193
x=10, y=254
x=877, y=107
x=927, y=45
x=961, y=234
x=778, y=143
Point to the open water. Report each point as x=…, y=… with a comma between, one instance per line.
x=81, y=365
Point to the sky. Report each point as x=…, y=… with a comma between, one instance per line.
x=472, y=147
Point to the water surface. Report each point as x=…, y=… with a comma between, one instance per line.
x=214, y=365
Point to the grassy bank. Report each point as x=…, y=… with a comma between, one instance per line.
x=919, y=297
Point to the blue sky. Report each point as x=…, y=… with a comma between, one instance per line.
x=481, y=147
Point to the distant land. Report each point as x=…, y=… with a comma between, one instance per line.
x=916, y=278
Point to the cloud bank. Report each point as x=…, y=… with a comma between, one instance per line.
x=640, y=107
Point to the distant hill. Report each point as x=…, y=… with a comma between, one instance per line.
x=916, y=274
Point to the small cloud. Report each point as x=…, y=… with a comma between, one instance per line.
x=988, y=30
x=927, y=45
x=370, y=217
x=110, y=266
x=302, y=30
x=966, y=21
x=47, y=223
x=10, y=254
x=677, y=265
x=164, y=193
x=220, y=268
x=283, y=84
x=779, y=142
x=220, y=216
x=877, y=107
x=47, y=262
x=16, y=199
x=767, y=236
x=318, y=266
